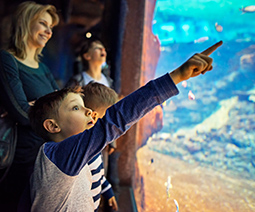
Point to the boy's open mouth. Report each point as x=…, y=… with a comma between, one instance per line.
x=91, y=123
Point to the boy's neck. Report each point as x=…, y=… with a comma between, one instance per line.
x=95, y=72
x=57, y=137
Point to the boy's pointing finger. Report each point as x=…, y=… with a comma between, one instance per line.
x=211, y=49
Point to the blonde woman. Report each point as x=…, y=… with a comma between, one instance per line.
x=23, y=80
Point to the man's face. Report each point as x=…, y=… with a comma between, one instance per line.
x=73, y=117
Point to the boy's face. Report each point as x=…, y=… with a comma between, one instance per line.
x=96, y=53
x=98, y=114
x=74, y=117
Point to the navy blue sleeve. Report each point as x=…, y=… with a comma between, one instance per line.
x=107, y=190
x=72, y=154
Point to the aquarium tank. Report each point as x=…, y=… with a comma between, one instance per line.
x=203, y=158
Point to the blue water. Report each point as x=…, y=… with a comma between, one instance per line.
x=226, y=64
x=178, y=24
x=187, y=27
x=186, y=21
x=213, y=135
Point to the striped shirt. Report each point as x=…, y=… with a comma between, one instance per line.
x=100, y=185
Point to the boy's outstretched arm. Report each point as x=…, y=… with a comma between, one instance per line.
x=196, y=65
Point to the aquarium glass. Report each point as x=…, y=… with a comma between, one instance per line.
x=203, y=159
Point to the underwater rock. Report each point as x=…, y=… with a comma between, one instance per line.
x=224, y=143
x=253, y=162
x=251, y=98
x=192, y=147
x=216, y=149
x=247, y=61
x=241, y=139
x=197, y=139
x=231, y=150
x=199, y=156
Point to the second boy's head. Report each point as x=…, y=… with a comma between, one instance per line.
x=98, y=98
x=61, y=114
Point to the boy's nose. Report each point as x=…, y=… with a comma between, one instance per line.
x=103, y=49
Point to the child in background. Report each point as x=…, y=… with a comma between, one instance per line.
x=91, y=56
x=98, y=98
x=61, y=180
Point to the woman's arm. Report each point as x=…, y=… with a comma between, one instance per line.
x=12, y=95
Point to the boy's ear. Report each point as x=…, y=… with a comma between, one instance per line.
x=51, y=126
x=86, y=56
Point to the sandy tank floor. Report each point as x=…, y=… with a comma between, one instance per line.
x=194, y=187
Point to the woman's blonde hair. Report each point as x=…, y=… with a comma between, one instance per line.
x=26, y=14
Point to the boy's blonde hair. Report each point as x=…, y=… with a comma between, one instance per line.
x=26, y=14
x=97, y=95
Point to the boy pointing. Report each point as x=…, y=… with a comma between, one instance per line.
x=60, y=178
